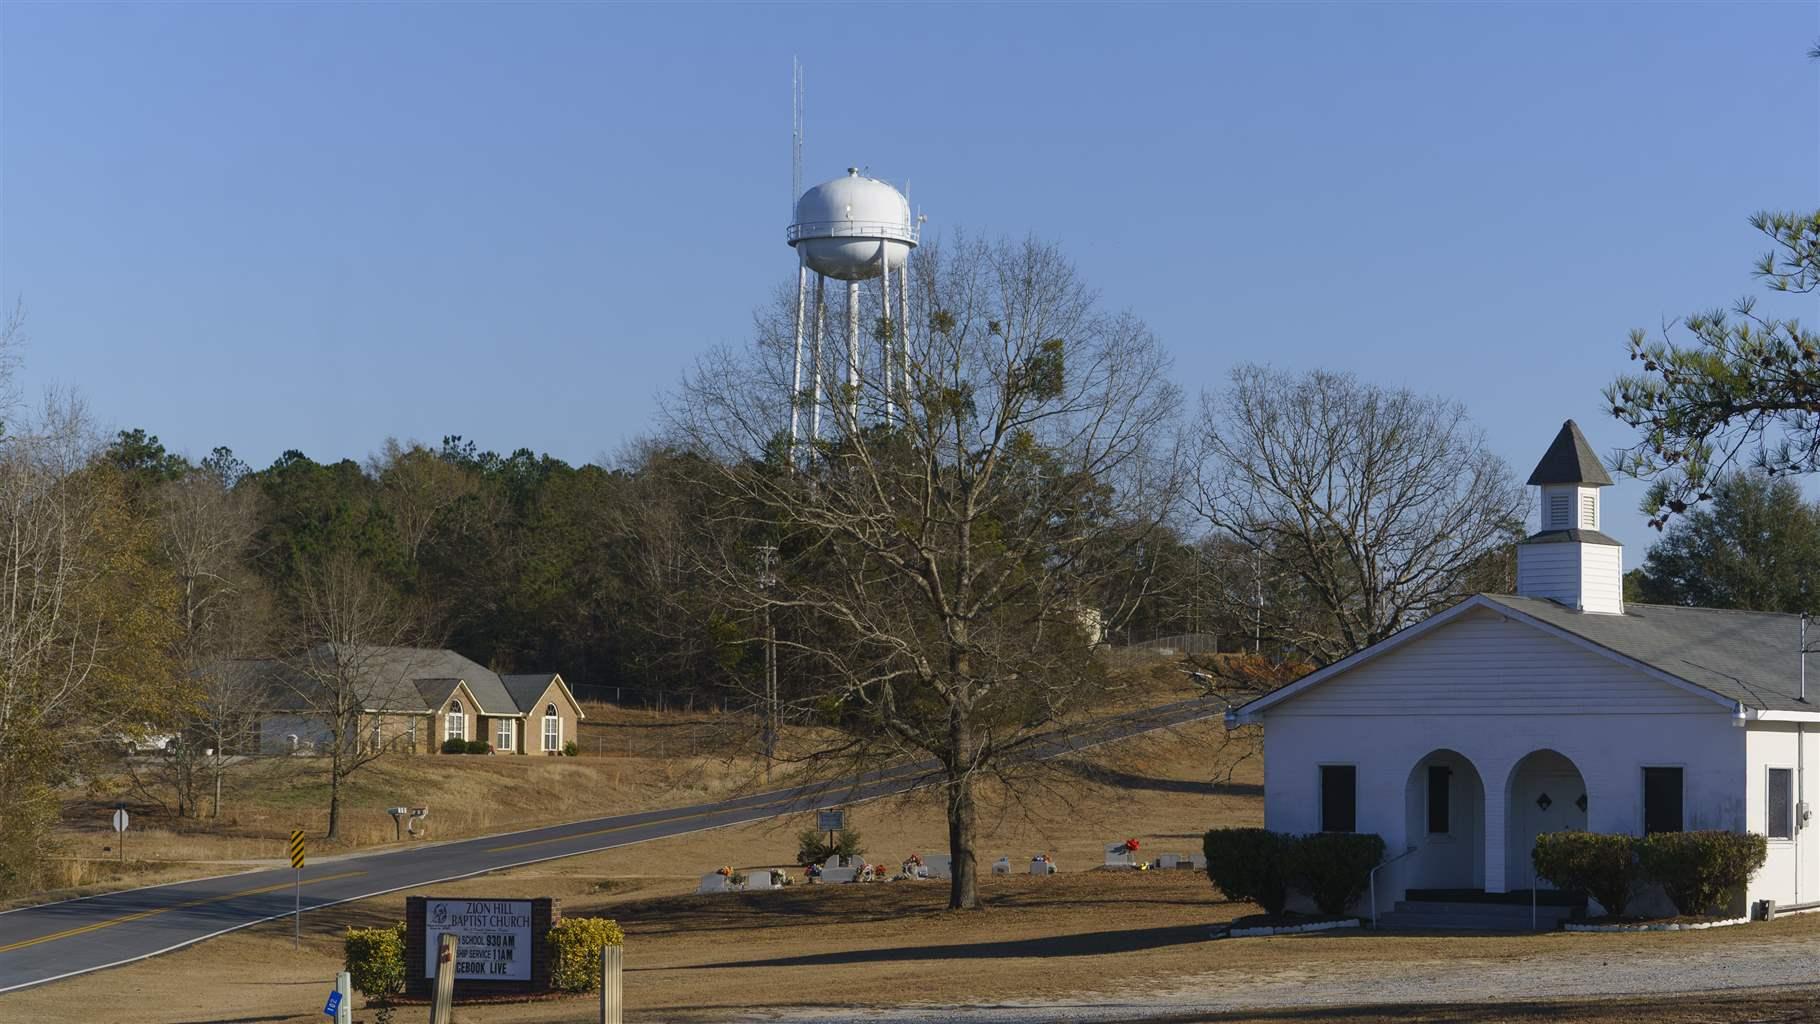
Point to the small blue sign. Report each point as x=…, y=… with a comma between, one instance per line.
x=333, y=1006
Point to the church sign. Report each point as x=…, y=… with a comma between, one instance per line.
x=495, y=938
x=503, y=945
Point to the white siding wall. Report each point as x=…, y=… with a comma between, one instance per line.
x=1495, y=690
x=1792, y=872
x=1551, y=571
x=1601, y=578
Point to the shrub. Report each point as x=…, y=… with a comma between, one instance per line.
x=1605, y=866
x=479, y=747
x=454, y=745
x=575, y=945
x=812, y=847
x=374, y=960
x=1334, y=867
x=1699, y=869
x=1250, y=864
x=569, y=749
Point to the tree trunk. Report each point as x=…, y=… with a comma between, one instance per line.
x=334, y=797
x=963, y=889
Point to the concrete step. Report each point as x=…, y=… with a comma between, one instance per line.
x=1400, y=920
x=1436, y=908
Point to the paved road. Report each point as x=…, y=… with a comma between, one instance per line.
x=57, y=940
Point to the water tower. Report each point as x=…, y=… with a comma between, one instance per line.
x=853, y=229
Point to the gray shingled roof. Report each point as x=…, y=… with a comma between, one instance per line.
x=1570, y=460
x=1749, y=657
x=407, y=679
x=527, y=688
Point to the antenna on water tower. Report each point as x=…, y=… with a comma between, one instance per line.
x=852, y=228
x=796, y=131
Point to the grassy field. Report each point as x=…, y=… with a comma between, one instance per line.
x=631, y=760
x=1080, y=934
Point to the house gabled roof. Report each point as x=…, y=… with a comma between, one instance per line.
x=401, y=679
x=1570, y=460
x=527, y=688
x=1734, y=658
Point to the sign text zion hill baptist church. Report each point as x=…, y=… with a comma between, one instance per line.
x=495, y=938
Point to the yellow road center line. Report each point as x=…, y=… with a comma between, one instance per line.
x=640, y=824
x=143, y=914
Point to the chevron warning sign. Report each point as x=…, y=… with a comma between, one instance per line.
x=297, y=849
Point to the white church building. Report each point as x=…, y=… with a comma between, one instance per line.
x=1461, y=738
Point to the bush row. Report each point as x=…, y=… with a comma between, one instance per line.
x=374, y=957
x=1696, y=869
x=1261, y=866
x=457, y=745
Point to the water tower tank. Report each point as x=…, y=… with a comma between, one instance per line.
x=842, y=224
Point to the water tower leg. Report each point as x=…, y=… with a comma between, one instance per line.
x=903, y=333
x=796, y=372
x=853, y=356
x=815, y=359
x=884, y=336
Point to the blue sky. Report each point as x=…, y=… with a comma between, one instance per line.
x=314, y=226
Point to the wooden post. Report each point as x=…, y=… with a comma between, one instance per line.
x=442, y=997
x=612, y=995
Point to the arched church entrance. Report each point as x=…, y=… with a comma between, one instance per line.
x=1444, y=814
x=1546, y=793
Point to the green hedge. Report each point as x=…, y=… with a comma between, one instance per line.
x=454, y=745
x=1335, y=867
x=374, y=960
x=1261, y=866
x=1250, y=865
x=1606, y=866
x=1699, y=869
x=479, y=747
x=575, y=945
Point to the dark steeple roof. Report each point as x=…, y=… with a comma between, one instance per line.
x=1570, y=460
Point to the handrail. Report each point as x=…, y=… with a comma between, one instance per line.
x=1372, y=877
x=893, y=230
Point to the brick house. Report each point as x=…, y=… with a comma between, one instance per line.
x=415, y=699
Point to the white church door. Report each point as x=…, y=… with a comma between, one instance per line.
x=1547, y=794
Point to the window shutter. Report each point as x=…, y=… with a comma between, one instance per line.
x=1339, y=798
x=1661, y=800
x=1440, y=781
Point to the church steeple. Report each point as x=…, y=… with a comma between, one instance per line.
x=1567, y=559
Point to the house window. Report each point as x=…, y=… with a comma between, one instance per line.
x=552, y=728
x=1560, y=511
x=503, y=735
x=455, y=726
x=1661, y=800
x=1779, y=805
x=376, y=740
x=1339, y=798
x=1440, y=782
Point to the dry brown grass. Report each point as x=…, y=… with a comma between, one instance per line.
x=703, y=958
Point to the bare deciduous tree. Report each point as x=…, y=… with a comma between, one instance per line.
x=944, y=558
x=352, y=639
x=416, y=486
x=1378, y=503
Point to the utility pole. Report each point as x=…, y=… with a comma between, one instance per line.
x=767, y=578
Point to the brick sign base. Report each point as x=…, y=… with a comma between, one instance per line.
x=545, y=912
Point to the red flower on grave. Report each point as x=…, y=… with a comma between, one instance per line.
x=1132, y=845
